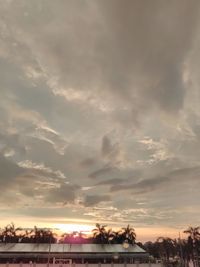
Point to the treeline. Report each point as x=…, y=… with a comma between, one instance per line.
x=180, y=250
x=163, y=248
x=12, y=234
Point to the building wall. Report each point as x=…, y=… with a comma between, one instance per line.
x=80, y=265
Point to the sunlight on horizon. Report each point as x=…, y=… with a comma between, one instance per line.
x=99, y=117
x=143, y=233
x=69, y=227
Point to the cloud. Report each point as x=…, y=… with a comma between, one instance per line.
x=150, y=184
x=64, y=193
x=113, y=181
x=143, y=52
x=100, y=96
x=92, y=200
x=172, y=178
x=186, y=172
x=98, y=173
x=88, y=162
x=8, y=172
x=122, y=56
x=143, y=186
x=107, y=147
x=41, y=169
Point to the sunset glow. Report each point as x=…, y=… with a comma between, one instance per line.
x=100, y=115
x=68, y=228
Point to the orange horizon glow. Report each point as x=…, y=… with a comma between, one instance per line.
x=69, y=227
x=143, y=233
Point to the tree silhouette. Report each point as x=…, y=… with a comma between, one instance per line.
x=167, y=247
x=10, y=233
x=99, y=234
x=193, y=243
x=128, y=234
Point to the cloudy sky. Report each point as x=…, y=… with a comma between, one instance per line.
x=99, y=113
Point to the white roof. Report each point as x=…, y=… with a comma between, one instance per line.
x=69, y=248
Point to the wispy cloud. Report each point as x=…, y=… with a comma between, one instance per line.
x=99, y=110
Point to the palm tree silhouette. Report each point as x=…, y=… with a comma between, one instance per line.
x=43, y=236
x=193, y=243
x=10, y=233
x=109, y=236
x=193, y=232
x=167, y=247
x=128, y=234
x=99, y=234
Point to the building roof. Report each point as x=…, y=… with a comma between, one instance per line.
x=69, y=248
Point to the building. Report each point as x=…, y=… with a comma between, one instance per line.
x=78, y=253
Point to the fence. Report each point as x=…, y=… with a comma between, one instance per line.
x=81, y=265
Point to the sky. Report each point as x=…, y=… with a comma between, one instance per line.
x=100, y=114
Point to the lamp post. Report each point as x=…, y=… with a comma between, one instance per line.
x=49, y=252
x=125, y=244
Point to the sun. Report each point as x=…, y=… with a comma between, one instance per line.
x=68, y=227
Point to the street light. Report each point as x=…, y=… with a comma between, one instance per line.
x=49, y=252
x=125, y=244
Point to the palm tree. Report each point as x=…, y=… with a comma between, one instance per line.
x=117, y=237
x=109, y=236
x=167, y=247
x=26, y=237
x=65, y=238
x=99, y=234
x=1, y=235
x=152, y=248
x=82, y=238
x=128, y=235
x=186, y=251
x=193, y=232
x=10, y=233
x=36, y=235
x=43, y=236
x=193, y=242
